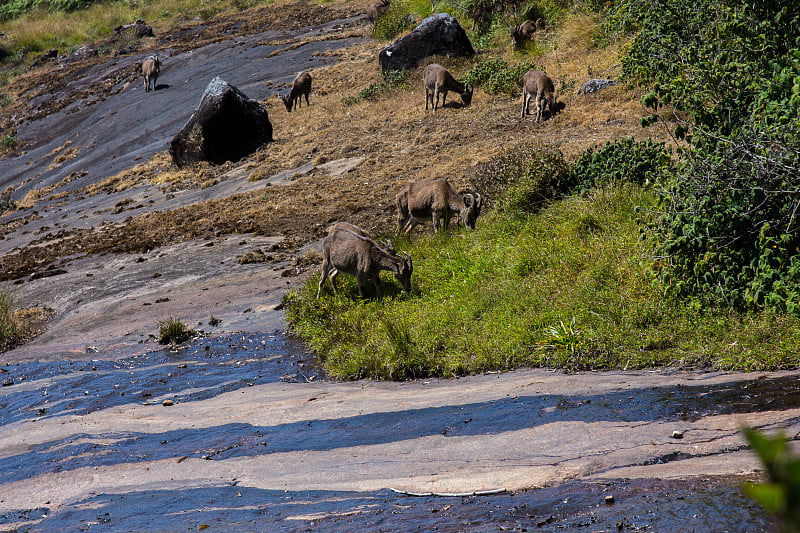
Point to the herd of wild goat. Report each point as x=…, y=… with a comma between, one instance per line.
x=351, y=250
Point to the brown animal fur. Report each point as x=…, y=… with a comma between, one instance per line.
x=437, y=201
x=351, y=253
x=523, y=32
x=539, y=85
x=377, y=9
x=438, y=80
x=301, y=86
x=150, y=68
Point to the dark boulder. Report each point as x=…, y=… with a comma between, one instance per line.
x=137, y=29
x=439, y=34
x=226, y=126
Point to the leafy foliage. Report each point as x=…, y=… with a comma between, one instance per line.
x=780, y=495
x=529, y=175
x=7, y=203
x=496, y=76
x=727, y=72
x=623, y=161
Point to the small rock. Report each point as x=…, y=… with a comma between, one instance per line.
x=609, y=499
x=167, y=403
x=677, y=434
x=592, y=86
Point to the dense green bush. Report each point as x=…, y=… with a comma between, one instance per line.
x=496, y=76
x=726, y=74
x=529, y=175
x=623, y=161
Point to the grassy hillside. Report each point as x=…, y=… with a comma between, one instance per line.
x=592, y=265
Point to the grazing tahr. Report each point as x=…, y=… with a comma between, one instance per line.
x=301, y=86
x=522, y=33
x=150, y=68
x=438, y=80
x=436, y=201
x=355, y=229
x=537, y=84
x=354, y=253
x=376, y=9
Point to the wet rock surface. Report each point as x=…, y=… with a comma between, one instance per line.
x=241, y=432
x=439, y=34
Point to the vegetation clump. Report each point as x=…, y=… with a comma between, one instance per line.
x=496, y=76
x=18, y=326
x=726, y=76
x=173, y=331
x=401, y=15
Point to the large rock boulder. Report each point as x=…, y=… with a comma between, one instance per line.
x=439, y=34
x=225, y=127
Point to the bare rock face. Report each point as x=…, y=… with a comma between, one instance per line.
x=225, y=127
x=439, y=34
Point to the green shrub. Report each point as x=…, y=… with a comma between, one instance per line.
x=726, y=74
x=496, y=76
x=8, y=142
x=173, y=331
x=7, y=204
x=524, y=177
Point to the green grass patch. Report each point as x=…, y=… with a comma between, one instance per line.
x=569, y=286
